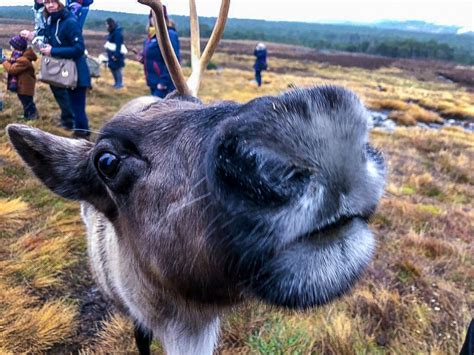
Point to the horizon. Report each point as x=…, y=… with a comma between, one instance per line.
x=456, y=13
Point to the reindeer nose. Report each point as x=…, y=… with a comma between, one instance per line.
x=259, y=175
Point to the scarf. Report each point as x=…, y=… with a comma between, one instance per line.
x=15, y=55
x=151, y=32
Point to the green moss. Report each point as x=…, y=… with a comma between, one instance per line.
x=39, y=196
x=430, y=209
x=379, y=219
x=458, y=198
x=278, y=338
x=407, y=272
x=14, y=171
x=433, y=191
x=407, y=190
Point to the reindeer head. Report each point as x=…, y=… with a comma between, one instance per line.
x=268, y=199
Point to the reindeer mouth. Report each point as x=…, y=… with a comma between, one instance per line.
x=320, y=233
x=317, y=267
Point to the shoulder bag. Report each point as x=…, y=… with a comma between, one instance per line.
x=58, y=72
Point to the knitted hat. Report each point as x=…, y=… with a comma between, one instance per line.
x=19, y=43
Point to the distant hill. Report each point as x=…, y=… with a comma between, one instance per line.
x=410, y=39
x=416, y=26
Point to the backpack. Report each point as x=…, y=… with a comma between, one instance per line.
x=94, y=67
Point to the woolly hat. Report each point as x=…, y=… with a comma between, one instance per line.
x=19, y=43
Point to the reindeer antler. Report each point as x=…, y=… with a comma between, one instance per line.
x=165, y=45
x=198, y=62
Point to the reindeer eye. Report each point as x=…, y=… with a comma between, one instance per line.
x=107, y=164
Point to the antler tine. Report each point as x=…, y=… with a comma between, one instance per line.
x=165, y=46
x=195, y=36
x=194, y=80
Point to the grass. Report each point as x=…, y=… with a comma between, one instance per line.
x=382, y=89
x=412, y=114
x=417, y=296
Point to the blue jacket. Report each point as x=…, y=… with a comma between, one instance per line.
x=116, y=37
x=156, y=71
x=63, y=33
x=261, y=59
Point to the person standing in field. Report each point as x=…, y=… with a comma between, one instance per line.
x=63, y=36
x=114, y=47
x=157, y=75
x=260, y=53
x=37, y=38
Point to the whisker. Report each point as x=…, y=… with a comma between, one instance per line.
x=196, y=185
x=187, y=204
x=87, y=131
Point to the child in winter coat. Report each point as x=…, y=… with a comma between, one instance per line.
x=21, y=73
x=80, y=9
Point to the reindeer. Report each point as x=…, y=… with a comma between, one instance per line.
x=191, y=208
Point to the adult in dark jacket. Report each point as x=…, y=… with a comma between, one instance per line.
x=64, y=40
x=37, y=37
x=157, y=75
x=116, y=57
x=260, y=54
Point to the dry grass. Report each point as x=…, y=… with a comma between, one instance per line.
x=116, y=336
x=388, y=104
x=413, y=114
x=28, y=325
x=416, y=297
x=12, y=214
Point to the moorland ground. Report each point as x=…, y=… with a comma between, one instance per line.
x=417, y=296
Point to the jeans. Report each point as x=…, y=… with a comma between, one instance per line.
x=29, y=107
x=78, y=104
x=62, y=98
x=258, y=77
x=117, y=74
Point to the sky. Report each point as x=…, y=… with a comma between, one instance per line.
x=447, y=12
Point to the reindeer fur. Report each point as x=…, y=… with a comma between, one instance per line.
x=216, y=204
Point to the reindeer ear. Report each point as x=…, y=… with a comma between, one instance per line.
x=259, y=174
x=62, y=164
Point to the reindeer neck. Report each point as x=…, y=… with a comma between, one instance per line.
x=177, y=339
